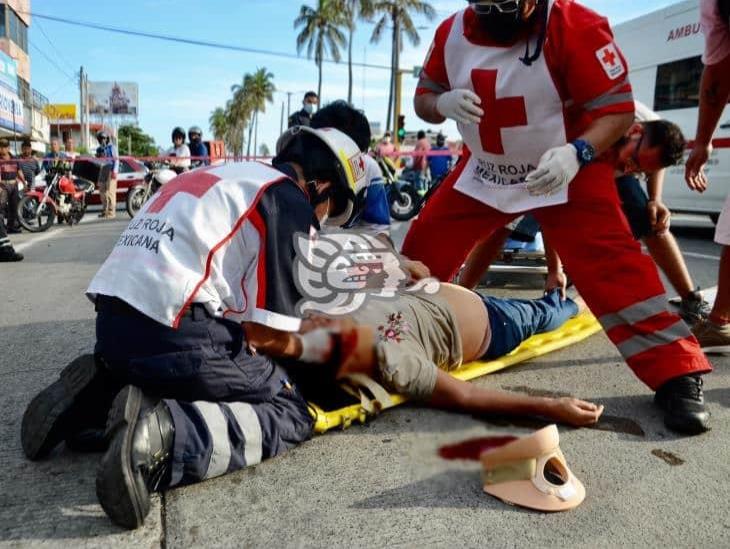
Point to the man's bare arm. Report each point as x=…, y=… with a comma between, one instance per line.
x=607, y=130
x=714, y=92
x=425, y=106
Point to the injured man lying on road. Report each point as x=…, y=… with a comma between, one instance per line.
x=410, y=340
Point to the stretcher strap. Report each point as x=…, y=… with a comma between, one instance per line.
x=378, y=400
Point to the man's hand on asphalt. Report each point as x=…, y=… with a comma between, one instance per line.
x=694, y=168
x=574, y=411
x=659, y=217
x=460, y=105
x=557, y=168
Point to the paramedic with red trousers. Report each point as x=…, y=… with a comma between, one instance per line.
x=539, y=89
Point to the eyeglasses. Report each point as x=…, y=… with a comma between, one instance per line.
x=502, y=6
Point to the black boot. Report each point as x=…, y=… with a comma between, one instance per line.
x=78, y=400
x=683, y=403
x=138, y=460
x=8, y=254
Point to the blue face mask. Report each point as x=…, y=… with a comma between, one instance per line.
x=309, y=108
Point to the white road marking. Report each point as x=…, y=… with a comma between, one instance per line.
x=702, y=256
x=36, y=239
x=54, y=230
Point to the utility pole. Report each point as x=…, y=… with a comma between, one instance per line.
x=288, y=104
x=281, y=124
x=398, y=92
x=82, y=109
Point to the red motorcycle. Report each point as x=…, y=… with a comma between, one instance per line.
x=63, y=198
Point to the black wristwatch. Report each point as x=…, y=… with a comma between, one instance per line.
x=586, y=152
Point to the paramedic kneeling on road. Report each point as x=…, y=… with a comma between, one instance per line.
x=212, y=250
x=539, y=89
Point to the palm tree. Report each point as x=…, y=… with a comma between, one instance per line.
x=397, y=13
x=320, y=33
x=353, y=10
x=259, y=90
x=218, y=123
x=238, y=113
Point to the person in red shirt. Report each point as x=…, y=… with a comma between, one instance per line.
x=539, y=90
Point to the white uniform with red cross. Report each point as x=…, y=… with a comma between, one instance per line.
x=579, y=77
x=206, y=249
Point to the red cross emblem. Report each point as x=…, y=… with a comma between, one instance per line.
x=505, y=112
x=609, y=58
x=194, y=183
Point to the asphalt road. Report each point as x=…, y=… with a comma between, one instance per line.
x=376, y=485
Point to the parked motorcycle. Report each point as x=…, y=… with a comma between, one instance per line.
x=139, y=194
x=402, y=195
x=63, y=198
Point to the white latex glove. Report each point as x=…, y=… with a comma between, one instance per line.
x=556, y=169
x=460, y=105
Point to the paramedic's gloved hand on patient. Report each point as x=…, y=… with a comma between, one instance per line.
x=460, y=105
x=557, y=168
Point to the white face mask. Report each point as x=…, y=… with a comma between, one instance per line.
x=309, y=107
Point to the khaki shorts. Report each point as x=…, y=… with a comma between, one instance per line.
x=415, y=335
x=722, y=232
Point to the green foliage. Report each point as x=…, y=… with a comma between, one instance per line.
x=321, y=32
x=241, y=110
x=142, y=144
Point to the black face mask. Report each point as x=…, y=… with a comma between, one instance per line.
x=502, y=27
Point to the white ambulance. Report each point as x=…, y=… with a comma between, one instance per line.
x=664, y=51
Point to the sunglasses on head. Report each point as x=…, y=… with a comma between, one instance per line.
x=502, y=6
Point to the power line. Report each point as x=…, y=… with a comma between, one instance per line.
x=193, y=42
x=62, y=86
x=51, y=60
x=53, y=46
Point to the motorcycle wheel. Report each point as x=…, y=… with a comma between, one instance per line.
x=136, y=197
x=27, y=214
x=404, y=203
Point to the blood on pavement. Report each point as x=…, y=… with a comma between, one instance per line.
x=473, y=447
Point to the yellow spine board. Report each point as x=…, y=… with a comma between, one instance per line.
x=575, y=330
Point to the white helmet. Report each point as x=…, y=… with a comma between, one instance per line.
x=351, y=165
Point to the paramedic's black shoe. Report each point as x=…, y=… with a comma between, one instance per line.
x=88, y=441
x=683, y=403
x=138, y=460
x=69, y=404
x=8, y=254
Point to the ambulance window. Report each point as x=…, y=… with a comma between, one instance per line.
x=678, y=84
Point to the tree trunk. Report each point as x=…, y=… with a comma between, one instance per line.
x=256, y=135
x=349, y=63
x=319, y=83
x=250, y=133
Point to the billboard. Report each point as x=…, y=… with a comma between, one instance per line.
x=113, y=98
x=11, y=111
x=8, y=72
x=60, y=111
